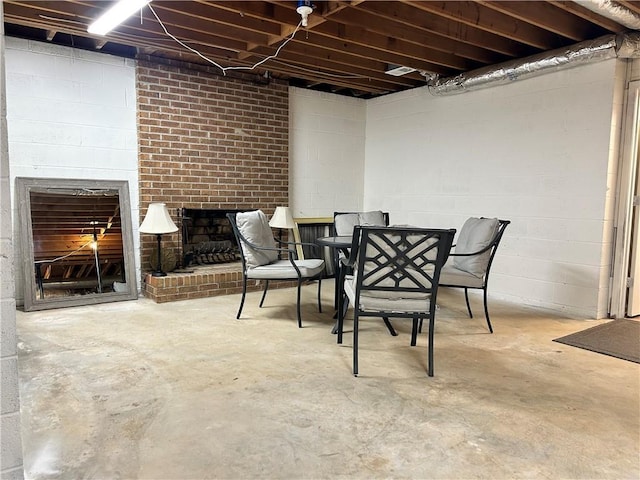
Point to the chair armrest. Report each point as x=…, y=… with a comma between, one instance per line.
x=488, y=247
x=350, y=261
x=347, y=262
x=262, y=247
x=494, y=241
x=315, y=247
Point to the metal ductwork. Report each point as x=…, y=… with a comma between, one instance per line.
x=610, y=46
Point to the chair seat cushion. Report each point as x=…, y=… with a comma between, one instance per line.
x=393, y=301
x=283, y=270
x=454, y=277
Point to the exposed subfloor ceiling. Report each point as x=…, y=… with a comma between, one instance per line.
x=346, y=48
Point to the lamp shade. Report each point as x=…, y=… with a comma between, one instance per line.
x=282, y=218
x=158, y=220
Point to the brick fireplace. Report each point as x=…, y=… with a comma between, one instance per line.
x=207, y=141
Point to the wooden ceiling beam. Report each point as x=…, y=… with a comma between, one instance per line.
x=361, y=85
x=545, y=15
x=387, y=55
x=395, y=34
x=406, y=15
x=262, y=10
x=340, y=65
x=211, y=11
x=325, y=67
x=147, y=34
x=169, y=45
x=201, y=26
x=476, y=15
x=347, y=44
x=586, y=14
x=374, y=45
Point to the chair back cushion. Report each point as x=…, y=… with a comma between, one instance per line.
x=345, y=222
x=476, y=234
x=254, y=226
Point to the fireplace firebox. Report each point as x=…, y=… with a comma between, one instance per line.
x=207, y=237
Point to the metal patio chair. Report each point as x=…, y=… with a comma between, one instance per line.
x=469, y=265
x=260, y=257
x=395, y=275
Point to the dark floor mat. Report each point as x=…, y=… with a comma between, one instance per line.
x=618, y=338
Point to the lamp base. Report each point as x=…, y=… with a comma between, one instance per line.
x=158, y=274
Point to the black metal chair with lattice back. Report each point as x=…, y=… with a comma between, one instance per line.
x=395, y=275
x=261, y=257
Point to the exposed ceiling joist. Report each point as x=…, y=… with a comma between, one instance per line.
x=347, y=45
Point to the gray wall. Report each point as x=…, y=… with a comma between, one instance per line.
x=11, y=443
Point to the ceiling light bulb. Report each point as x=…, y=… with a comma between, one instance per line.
x=304, y=9
x=115, y=16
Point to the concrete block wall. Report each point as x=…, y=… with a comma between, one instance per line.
x=10, y=436
x=327, y=151
x=71, y=114
x=208, y=141
x=536, y=151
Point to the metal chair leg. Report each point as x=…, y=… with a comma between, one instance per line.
x=430, y=361
x=342, y=312
x=486, y=311
x=264, y=294
x=387, y=322
x=298, y=304
x=355, y=343
x=466, y=297
x=414, y=332
x=244, y=293
x=319, y=298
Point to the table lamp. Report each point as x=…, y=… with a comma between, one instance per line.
x=158, y=221
x=282, y=219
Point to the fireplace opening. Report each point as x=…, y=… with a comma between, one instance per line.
x=207, y=237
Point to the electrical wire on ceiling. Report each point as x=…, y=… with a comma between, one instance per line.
x=271, y=57
x=213, y=62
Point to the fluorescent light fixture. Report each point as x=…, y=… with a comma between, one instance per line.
x=398, y=71
x=117, y=14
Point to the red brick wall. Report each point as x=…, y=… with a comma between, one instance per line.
x=209, y=141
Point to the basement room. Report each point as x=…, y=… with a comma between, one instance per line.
x=320, y=239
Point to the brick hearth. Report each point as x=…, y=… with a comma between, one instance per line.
x=204, y=281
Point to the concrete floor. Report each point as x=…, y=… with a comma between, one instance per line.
x=185, y=391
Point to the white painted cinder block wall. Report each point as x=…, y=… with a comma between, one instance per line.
x=536, y=152
x=71, y=114
x=11, y=463
x=540, y=152
x=326, y=153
